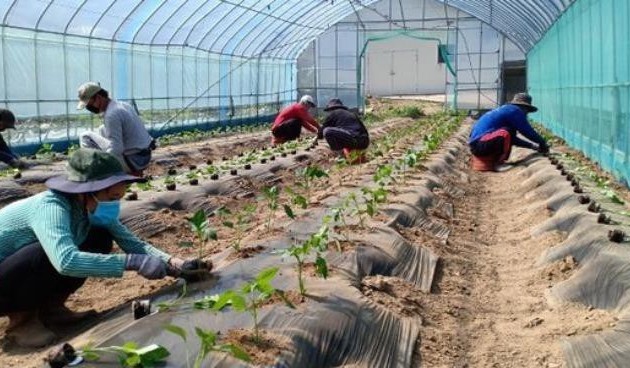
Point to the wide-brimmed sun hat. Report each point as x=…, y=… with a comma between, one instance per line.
x=89, y=170
x=335, y=103
x=87, y=91
x=523, y=99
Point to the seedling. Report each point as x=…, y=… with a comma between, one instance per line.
x=318, y=243
x=239, y=223
x=46, y=150
x=339, y=216
x=373, y=197
x=251, y=296
x=200, y=225
x=357, y=210
x=308, y=175
x=170, y=183
x=207, y=342
x=271, y=194
x=130, y=355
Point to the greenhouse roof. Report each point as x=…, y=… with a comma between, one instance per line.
x=271, y=28
x=522, y=21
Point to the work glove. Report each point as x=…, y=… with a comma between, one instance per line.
x=18, y=164
x=150, y=267
x=543, y=148
x=190, y=270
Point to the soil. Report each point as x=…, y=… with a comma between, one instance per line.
x=263, y=352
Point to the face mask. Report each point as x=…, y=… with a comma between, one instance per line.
x=105, y=213
x=92, y=109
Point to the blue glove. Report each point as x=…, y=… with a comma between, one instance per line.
x=150, y=267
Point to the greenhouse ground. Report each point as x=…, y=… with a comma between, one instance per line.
x=489, y=304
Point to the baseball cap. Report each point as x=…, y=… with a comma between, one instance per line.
x=87, y=91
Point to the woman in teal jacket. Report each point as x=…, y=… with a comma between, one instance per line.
x=52, y=241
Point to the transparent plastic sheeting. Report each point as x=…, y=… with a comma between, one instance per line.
x=522, y=21
x=579, y=76
x=184, y=64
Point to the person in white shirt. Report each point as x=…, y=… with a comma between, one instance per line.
x=123, y=134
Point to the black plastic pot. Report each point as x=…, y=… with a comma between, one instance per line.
x=248, y=167
x=214, y=176
x=616, y=235
x=193, y=182
x=171, y=186
x=208, y=162
x=263, y=160
x=192, y=167
x=294, y=152
x=593, y=207
x=272, y=158
x=133, y=196
x=233, y=172
x=583, y=199
x=63, y=355
x=172, y=171
x=140, y=308
x=17, y=175
x=283, y=154
x=603, y=219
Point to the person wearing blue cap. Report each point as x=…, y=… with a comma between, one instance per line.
x=52, y=241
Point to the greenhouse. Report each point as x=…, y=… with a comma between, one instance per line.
x=330, y=183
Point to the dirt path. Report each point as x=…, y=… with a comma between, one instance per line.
x=489, y=307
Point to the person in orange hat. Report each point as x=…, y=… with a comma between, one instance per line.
x=494, y=134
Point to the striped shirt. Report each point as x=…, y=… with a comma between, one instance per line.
x=60, y=225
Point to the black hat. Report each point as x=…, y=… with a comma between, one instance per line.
x=523, y=99
x=335, y=103
x=7, y=118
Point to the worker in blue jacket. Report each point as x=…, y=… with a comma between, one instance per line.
x=493, y=135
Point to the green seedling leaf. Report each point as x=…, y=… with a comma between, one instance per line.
x=229, y=224
x=176, y=330
x=235, y=351
x=207, y=302
x=300, y=201
x=283, y=296
x=321, y=267
x=289, y=211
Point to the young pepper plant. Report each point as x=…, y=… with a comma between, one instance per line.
x=208, y=342
x=251, y=296
x=239, y=222
x=308, y=175
x=199, y=224
x=317, y=242
x=271, y=195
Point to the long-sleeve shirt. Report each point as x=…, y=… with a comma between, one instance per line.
x=345, y=119
x=60, y=225
x=511, y=118
x=124, y=129
x=297, y=111
x=6, y=155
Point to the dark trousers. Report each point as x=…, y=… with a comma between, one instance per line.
x=29, y=281
x=339, y=139
x=497, y=144
x=288, y=130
